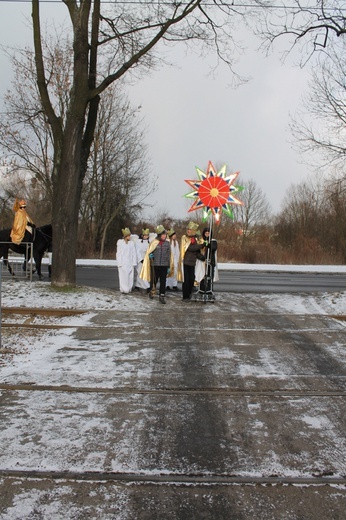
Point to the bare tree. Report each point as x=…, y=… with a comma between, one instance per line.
x=25, y=137
x=300, y=212
x=318, y=29
x=255, y=211
x=320, y=127
x=335, y=215
x=108, y=43
x=311, y=25
x=314, y=212
x=118, y=178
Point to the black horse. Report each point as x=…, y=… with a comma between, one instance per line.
x=42, y=241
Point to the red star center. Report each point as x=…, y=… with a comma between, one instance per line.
x=214, y=192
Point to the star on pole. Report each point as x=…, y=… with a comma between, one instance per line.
x=214, y=192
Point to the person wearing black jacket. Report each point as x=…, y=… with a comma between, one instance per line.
x=210, y=254
x=189, y=249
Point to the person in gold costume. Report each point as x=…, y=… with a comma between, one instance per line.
x=23, y=225
x=189, y=249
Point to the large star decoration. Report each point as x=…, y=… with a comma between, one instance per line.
x=214, y=192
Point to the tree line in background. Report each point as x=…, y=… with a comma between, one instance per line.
x=309, y=229
x=111, y=158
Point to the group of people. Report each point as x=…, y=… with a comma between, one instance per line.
x=144, y=263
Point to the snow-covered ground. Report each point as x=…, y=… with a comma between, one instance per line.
x=94, y=431
x=41, y=294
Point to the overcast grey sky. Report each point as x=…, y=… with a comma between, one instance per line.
x=193, y=118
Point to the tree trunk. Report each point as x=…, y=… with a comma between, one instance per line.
x=67, y=194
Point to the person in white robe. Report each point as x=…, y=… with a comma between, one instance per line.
x=207, y=268
x=172, y=282
x=126, y=258
x=142, y=245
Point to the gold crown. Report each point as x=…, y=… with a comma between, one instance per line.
x=126, y=232
x=193, y=226
x=160, y=229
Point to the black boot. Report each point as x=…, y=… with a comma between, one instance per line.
x=162, y=298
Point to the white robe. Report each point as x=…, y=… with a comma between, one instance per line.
x=201, y=267
x=141, y=249
x=172, y=280
x=127, y=260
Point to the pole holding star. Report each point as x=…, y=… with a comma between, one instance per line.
x=214, y=192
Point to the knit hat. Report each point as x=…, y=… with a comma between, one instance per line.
x=171, y=232
x=126, y=232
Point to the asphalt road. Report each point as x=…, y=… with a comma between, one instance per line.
x=237, y=281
